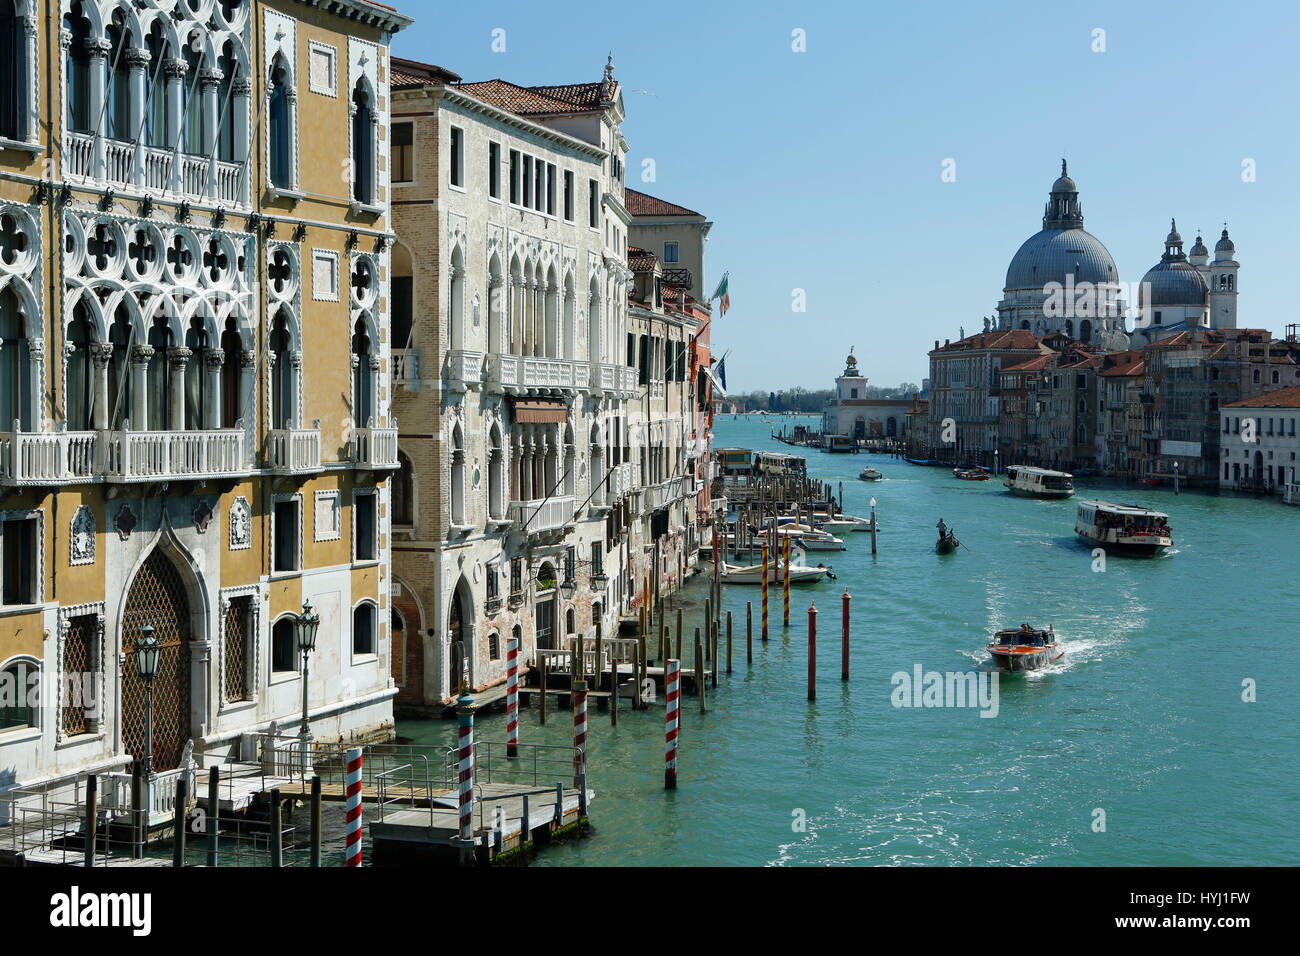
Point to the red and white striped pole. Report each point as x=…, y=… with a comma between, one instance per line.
x=512, y=695
x=465, y=764
x=765, y=573
x=353, y=830
x=672, y=693
x=580, y=735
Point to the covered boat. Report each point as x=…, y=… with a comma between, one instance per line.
x=1025, y=648
x=1030, y=482
x=870, y=474
x=1124, y=529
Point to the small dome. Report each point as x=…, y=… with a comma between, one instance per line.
x=1171, y=283
x=1064, y=184
x=1198, y=248
x=1173, y=239
x=1224, y=244
x=850, y=361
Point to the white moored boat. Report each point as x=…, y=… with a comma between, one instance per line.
x=1124, y=529
x=753, y=573
x=1030, y=482
x=841, y=523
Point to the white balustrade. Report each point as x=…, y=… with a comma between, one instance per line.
x=34, y=458
x=547, y=514
x=294, y=450
x=145, y=456
x=375, y=447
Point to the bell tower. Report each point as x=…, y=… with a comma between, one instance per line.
x=1223, y=284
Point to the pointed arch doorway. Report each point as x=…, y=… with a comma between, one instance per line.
x=158, y=597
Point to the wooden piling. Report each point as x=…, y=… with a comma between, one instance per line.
x=541, y=703
x=317, y=821
x=92, y=818
x=728, y=642
x=812, y=651
x=178, y=825
x=749, y=632
x=214, y=813
x=277, y=829
x=701, y=683
x=679, y=633
x=844, y=635
x=785, y=584
x=763, y=617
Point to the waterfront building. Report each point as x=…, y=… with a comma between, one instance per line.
x=1260, y=443
x=965, y=391
x=1189, y=376
x=677, y=236
x=518, y=458
x=1121, y=381
x=664, y=322
x=195, y=431
x=853, y=414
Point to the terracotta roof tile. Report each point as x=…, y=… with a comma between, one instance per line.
x=642, y=204
x=409, y=73
x=1278, y=398
x=996, y=339
x=537, y=100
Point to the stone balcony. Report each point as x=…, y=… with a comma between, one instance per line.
x=160, y=455
x=47, y=458
x=616, y=381
x=153, y=170
x=543, y=515
x=294, y=451
x=375, y=449
x=464, y=371
x=523, y=375
x=406, y=369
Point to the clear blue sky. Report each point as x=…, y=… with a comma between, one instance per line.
x=821, y=170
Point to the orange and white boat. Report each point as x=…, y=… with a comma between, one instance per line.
x=1025, y=648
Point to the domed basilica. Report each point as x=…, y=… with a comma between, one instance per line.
x=1063, y=279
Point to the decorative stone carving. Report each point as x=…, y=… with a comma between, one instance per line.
x=241, y=525
x=82, y=540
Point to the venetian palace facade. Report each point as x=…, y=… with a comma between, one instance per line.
x=196, y=423
x=541, y=448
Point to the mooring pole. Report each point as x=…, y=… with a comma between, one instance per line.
x=92, y=818
x=579, y=736
x=679, y=633
x=512, y=694
x=763, y=620
x=214, y=813
x=672, y=696
x=812, y=651
x=352, y=791
x=464, y=773
x=613, y=692
x=178, y=824
x=701, y=682
x=749, y=632
x=873, y=525
x=844, y=635
x=728, y=642
x=277, y=829
x=543, y=661
x=317, y=821
x=786, y=583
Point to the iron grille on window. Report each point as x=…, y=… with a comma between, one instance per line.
x=79, y=682
x=235, y=649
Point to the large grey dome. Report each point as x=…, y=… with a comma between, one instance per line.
x=1053, y=254
x=1172, y=283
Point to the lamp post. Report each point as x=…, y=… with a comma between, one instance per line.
x=305, y=626
x=995, y=461
x=146, y=665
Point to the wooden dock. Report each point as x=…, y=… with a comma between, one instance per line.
x=432, y=834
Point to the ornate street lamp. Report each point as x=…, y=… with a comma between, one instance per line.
x=146, y=665
x=305, y=626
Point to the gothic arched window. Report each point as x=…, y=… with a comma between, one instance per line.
x=457, y=476
x=15, y=81
x=121, y=336
x=282, y=382
x=363, y=629
x=362, y=376
x=363, y=145
x=403, y=492
x=117, y=111
x=159, y=378
x=280, y=128
x=78, y=70
x=80, y=382
x=15, y=365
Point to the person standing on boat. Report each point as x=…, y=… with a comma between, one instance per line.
x=943, y=529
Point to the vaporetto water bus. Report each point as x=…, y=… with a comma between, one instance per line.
x=1030, y=482
x=1124, y=529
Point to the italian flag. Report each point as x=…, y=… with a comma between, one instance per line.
x=721, y=293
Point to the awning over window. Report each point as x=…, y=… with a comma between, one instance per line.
x=537, y=410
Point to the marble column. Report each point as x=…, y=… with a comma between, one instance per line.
x=214, y=361
x=175, y=70
x=100, y=355
x=140, y=358
x=137, y=62
x=209, y=83
x=177, y=359
x=98, y=49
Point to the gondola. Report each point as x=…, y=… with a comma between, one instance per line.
x=946, y=544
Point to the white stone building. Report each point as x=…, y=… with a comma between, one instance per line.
x=1260, y=441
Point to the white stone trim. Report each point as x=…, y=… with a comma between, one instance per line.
x=225, y=597
x=65, y=616
x=295, y=496
x=39, y=571
x=315, y=46
x=333, y=256
x=337, y=532
x=240, y=539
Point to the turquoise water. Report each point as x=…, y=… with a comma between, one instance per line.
x=1143, y=719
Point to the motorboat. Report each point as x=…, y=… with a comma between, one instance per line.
x=871, y=474
x=841, y=523
x=1030, y=482
x=1025, y=648
x=971, y=474
x=1124, y=529
x=753, y=573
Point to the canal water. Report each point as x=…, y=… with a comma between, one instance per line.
x=1137, y=748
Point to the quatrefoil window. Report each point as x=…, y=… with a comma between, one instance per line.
x=363, y=280
x=215, y=261
x=13, y=241
x=179, y=257
x=102, y=247
x=280, y=271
